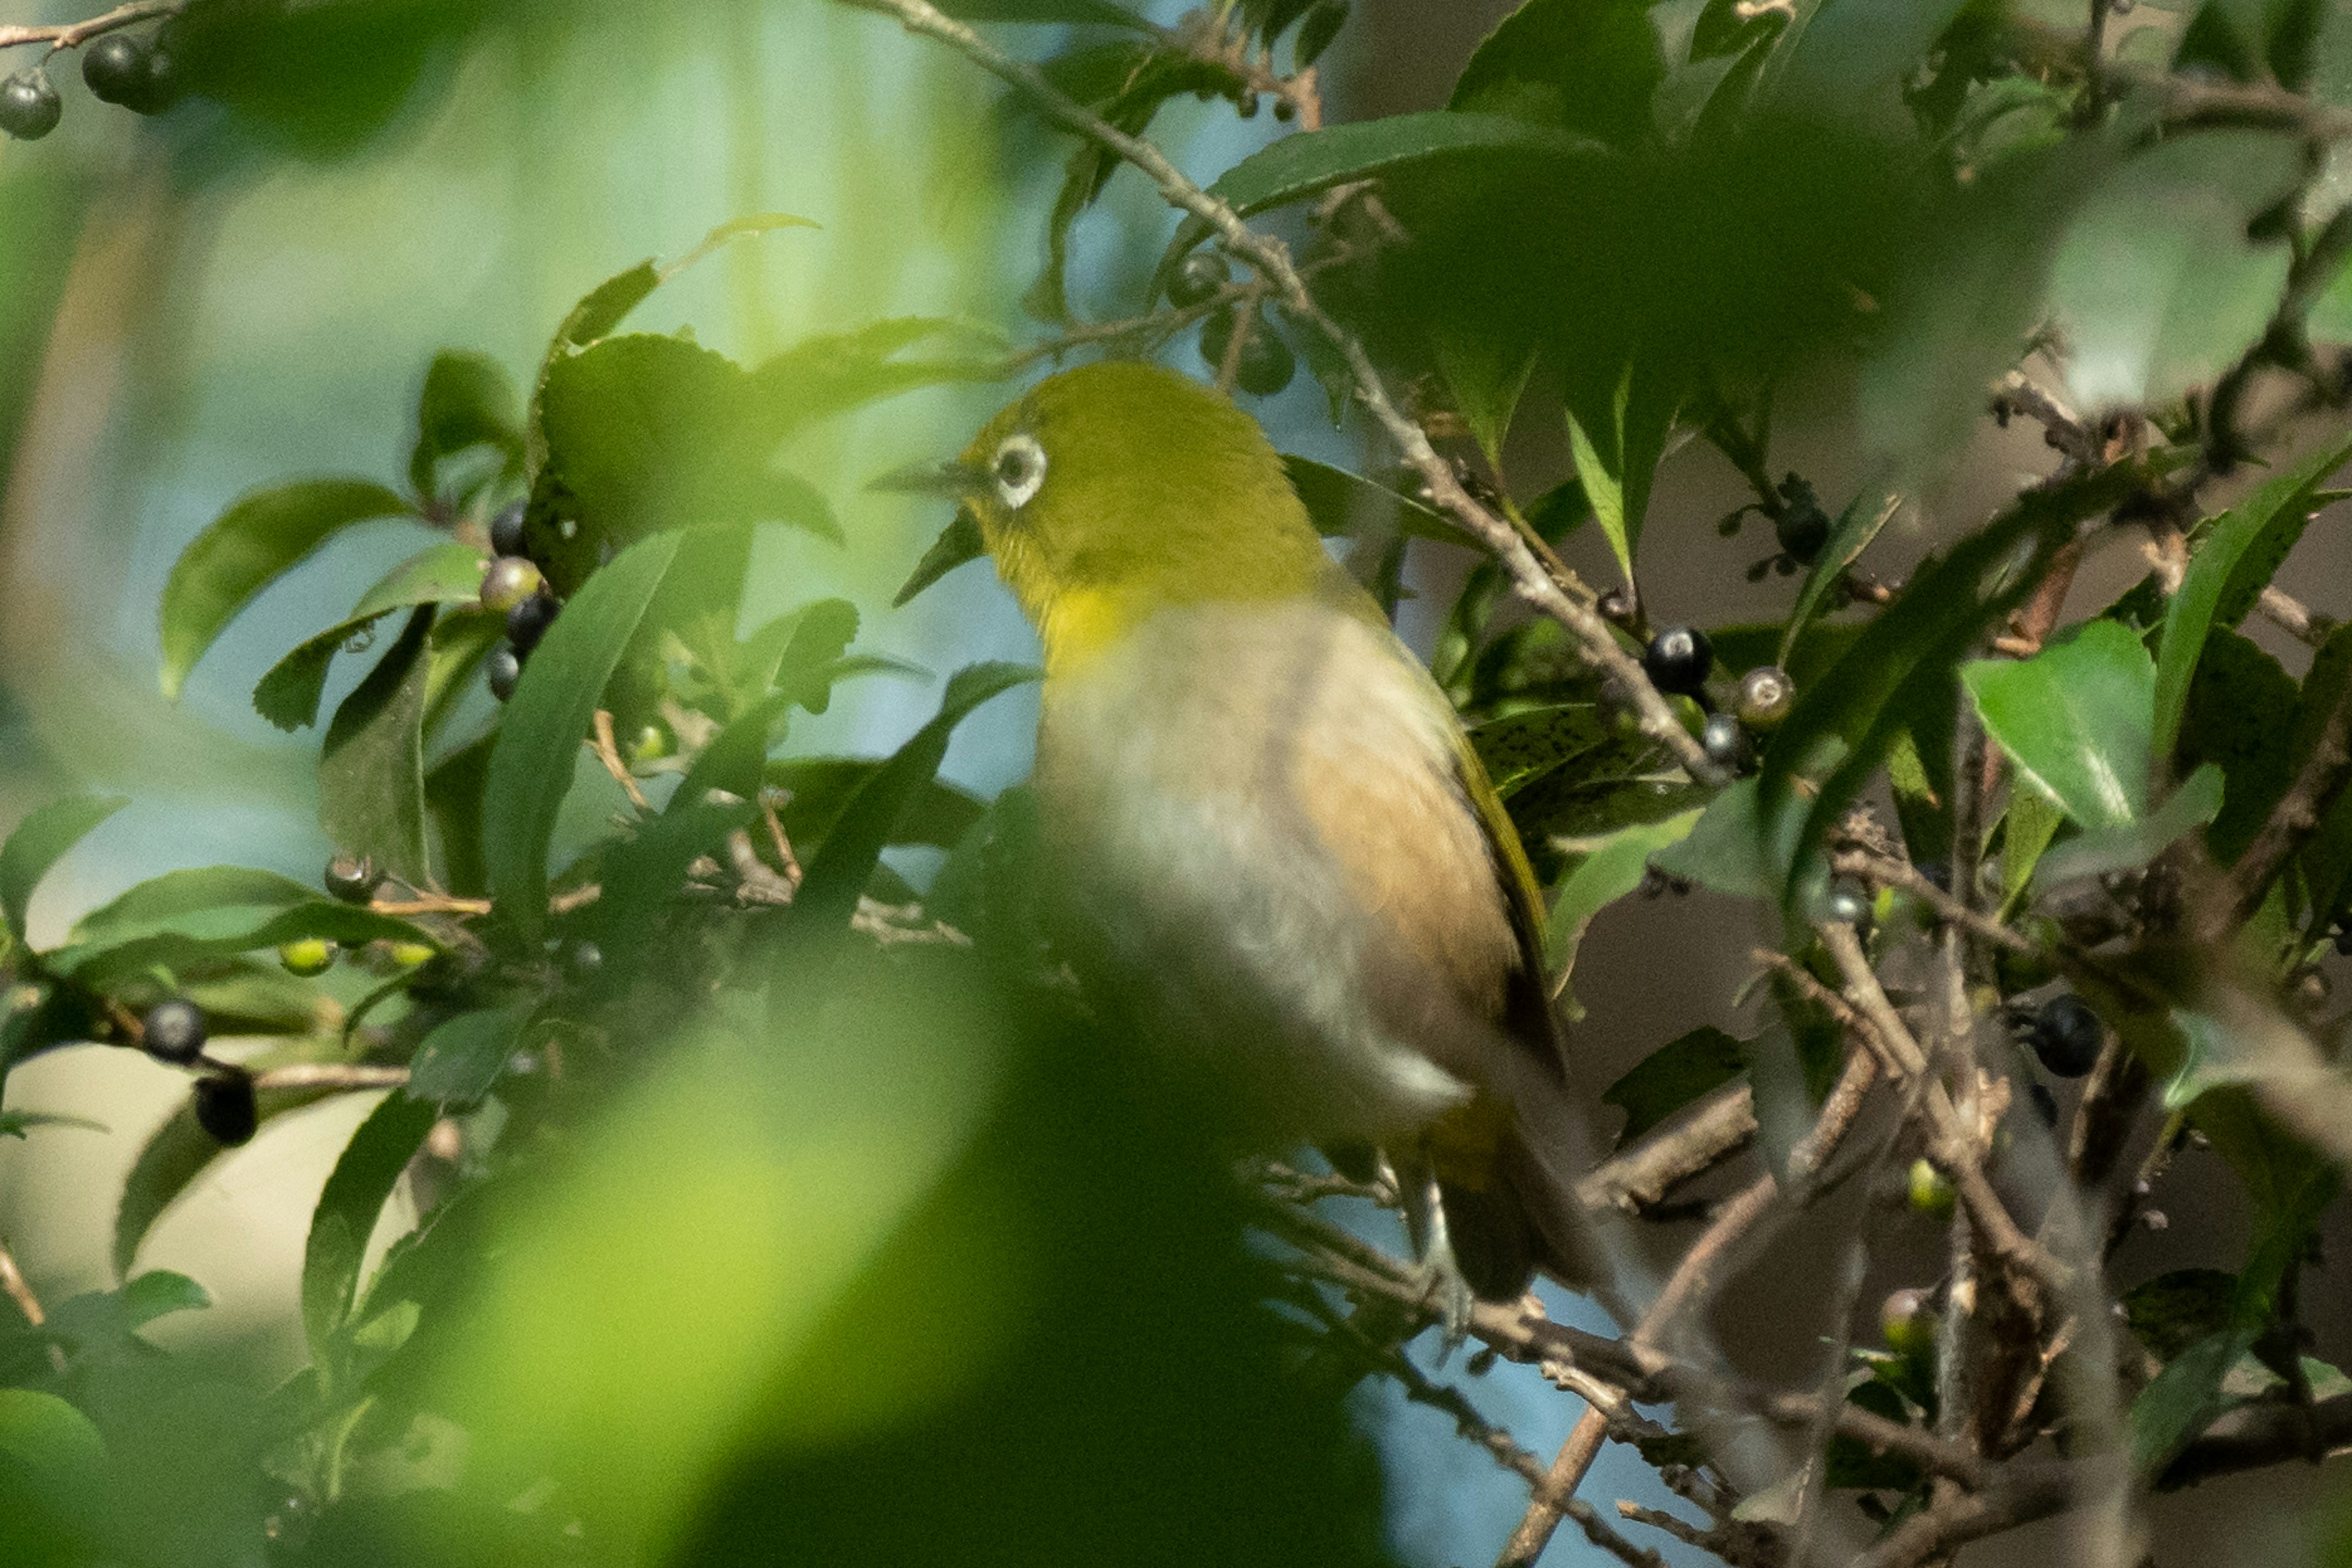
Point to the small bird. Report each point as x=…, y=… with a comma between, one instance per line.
x=1263, y=817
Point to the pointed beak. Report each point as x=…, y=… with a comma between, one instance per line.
x=954, y=478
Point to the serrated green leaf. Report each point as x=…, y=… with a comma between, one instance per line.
x=371, y=763
x=2194, y=610
x=871, y=817
x=468, y=401
x=1672, y=1077
x=548, y=717
x=1608, y=873
x=40, y=841
x=249, y=547
x=347, y=1211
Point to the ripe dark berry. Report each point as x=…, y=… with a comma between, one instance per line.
x=1726, y=744
x=1678, y=660
x=225, y=1108
x=29, y=105
x=1266, y=364
x=1216, y=332
x=116, y=69
x=529, y=621
x=505, y=669
x=2066, y=1034
x=510, y=580
x=1847, y=902
x=162, y=87
x=1198, y=278
x=174, y=1031
x=1803, y=527
x=1766, y=695
x=506, y=529
x=352, y=878
x=2344, y=941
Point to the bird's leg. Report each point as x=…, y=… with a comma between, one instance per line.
x=1442, y=1283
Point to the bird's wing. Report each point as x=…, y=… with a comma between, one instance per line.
x=1528, y=1016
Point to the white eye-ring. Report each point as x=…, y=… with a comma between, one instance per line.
x=1019, y=469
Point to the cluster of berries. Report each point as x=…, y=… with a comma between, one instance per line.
x=515, y=587
x=1263, y=364
x=174, y=1031
x=1678, y=662
x=117, y=68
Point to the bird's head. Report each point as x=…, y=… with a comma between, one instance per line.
x=1108, y=492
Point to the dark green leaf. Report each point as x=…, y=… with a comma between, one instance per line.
x=2098, y=851
x=600, y=310
x=453, y=796
x=2194, y=610
x=2173, y=1312
x=2327, y=860
x=2184, y=1399
x=1487, y=377
x=2242, y=709
x=39, y=841
x=1588, y=65
x=1617, y=430
x=347, y=1211
x=820, y=790
x=445, y=574
x=175, y=1154
x=1608, y=873
x=1855, y=528
x=1838, y=53
x=1313, y=162
x=1674, y=1076
x=837, y=875
x=461, y=1059
x=371, y=766
x=2030, y=823
x=1322, y=24
x=55, y=1472
x=222, y=910
x=539, y=741
x=645, y=872
x=959, y=541
x=813, y=654
x=469, y=401
x=1719, y=853
x=250, y=546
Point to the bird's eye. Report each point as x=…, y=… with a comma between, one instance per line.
x=1019, y=469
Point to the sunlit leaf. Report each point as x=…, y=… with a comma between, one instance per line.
x=2074, y=719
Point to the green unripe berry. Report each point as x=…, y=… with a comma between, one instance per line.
x=510, y=580
x=409, y=954
x=29, y=105
x=309, y=956
x=653, y=742
x=1931, y=1191
x=1909, y=1323
x=1766, y=695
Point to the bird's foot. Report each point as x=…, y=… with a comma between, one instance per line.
x=1445, y=1292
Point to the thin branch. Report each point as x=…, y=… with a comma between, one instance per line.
x=72, y=34
x=331, y=1076
x=427, y=903
x=1596, y=644
x=608, y=752
x=1704, y=1136
x=12, y=1283
x=2293, y=616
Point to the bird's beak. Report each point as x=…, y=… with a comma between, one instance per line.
x=954, y=478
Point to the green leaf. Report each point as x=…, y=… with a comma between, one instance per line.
x=1720, y=852
x=1611, y=870
x=211, y=912
x=834, y=372
x=17, y=1123
x=2173, y=1312
x=1525, y=746
x=2032, y=821
x=2074, y=719
x=445, y=574
x=1314, y=162
x=54, y=1465
x=2327, y=860
x=837, y=875
x=1606, y=491
x=1081, y=13
x=2235, y=536
x=347, y=1211
x=1486, y=378
x=1674, y=1076
x=39, y=841
x=2243, y=712
x=468, y=401
x=1836, y=54
x=821, y=789
x=1588, y=65
x=459, y=1062
x=1617, y=432
x=1343, y=504
x=249, y=547
x=2156, y=284
x=547, y=719
x=372, y=765
x=600, y=310
x=174, y=1155
x=1856, y=527
x=958, y=542
x=645, y=872
x=2183, y=1399
x=2124, y=845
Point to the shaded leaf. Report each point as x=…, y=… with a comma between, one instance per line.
x=468, y=401
x=449, y=573
x=2173, y=1312
x=1719, y=853
x=1856, y=527
x=2241, y=718
x=1673, y=1076
x=249, y=547
x=645, y=872
x=462, y=1059
x=836, y=372
x=372, y=765
x=1485, y=378
x=2123, y=845
x=1608, y=873
x=347, y=1211
x=40, y=841
x=1313, y=162
x=1338, y=502
x=1077, y=12
x=821, y=788
x=2183, y=1399
x=17, y=1123
x=1588, y=65
x=539, y=741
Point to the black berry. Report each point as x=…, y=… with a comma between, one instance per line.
x=1216, y=332
x=1198, y=280
x=510, y=580
x=174, y=1031
x=1726, y=744
x=352, y=878
x=527, y=622
x=505, y=669
x=2066, y=1034
x=116, y=69
x=1766, y=695
x=161, y=86
x=1266, y=363
x=1803, y=527
x=506, y=530
x=29, y=106
x=1678, y=660
x=226, y=1109
x=1848, y=903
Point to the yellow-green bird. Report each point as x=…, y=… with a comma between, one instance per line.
x=1263, y=817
